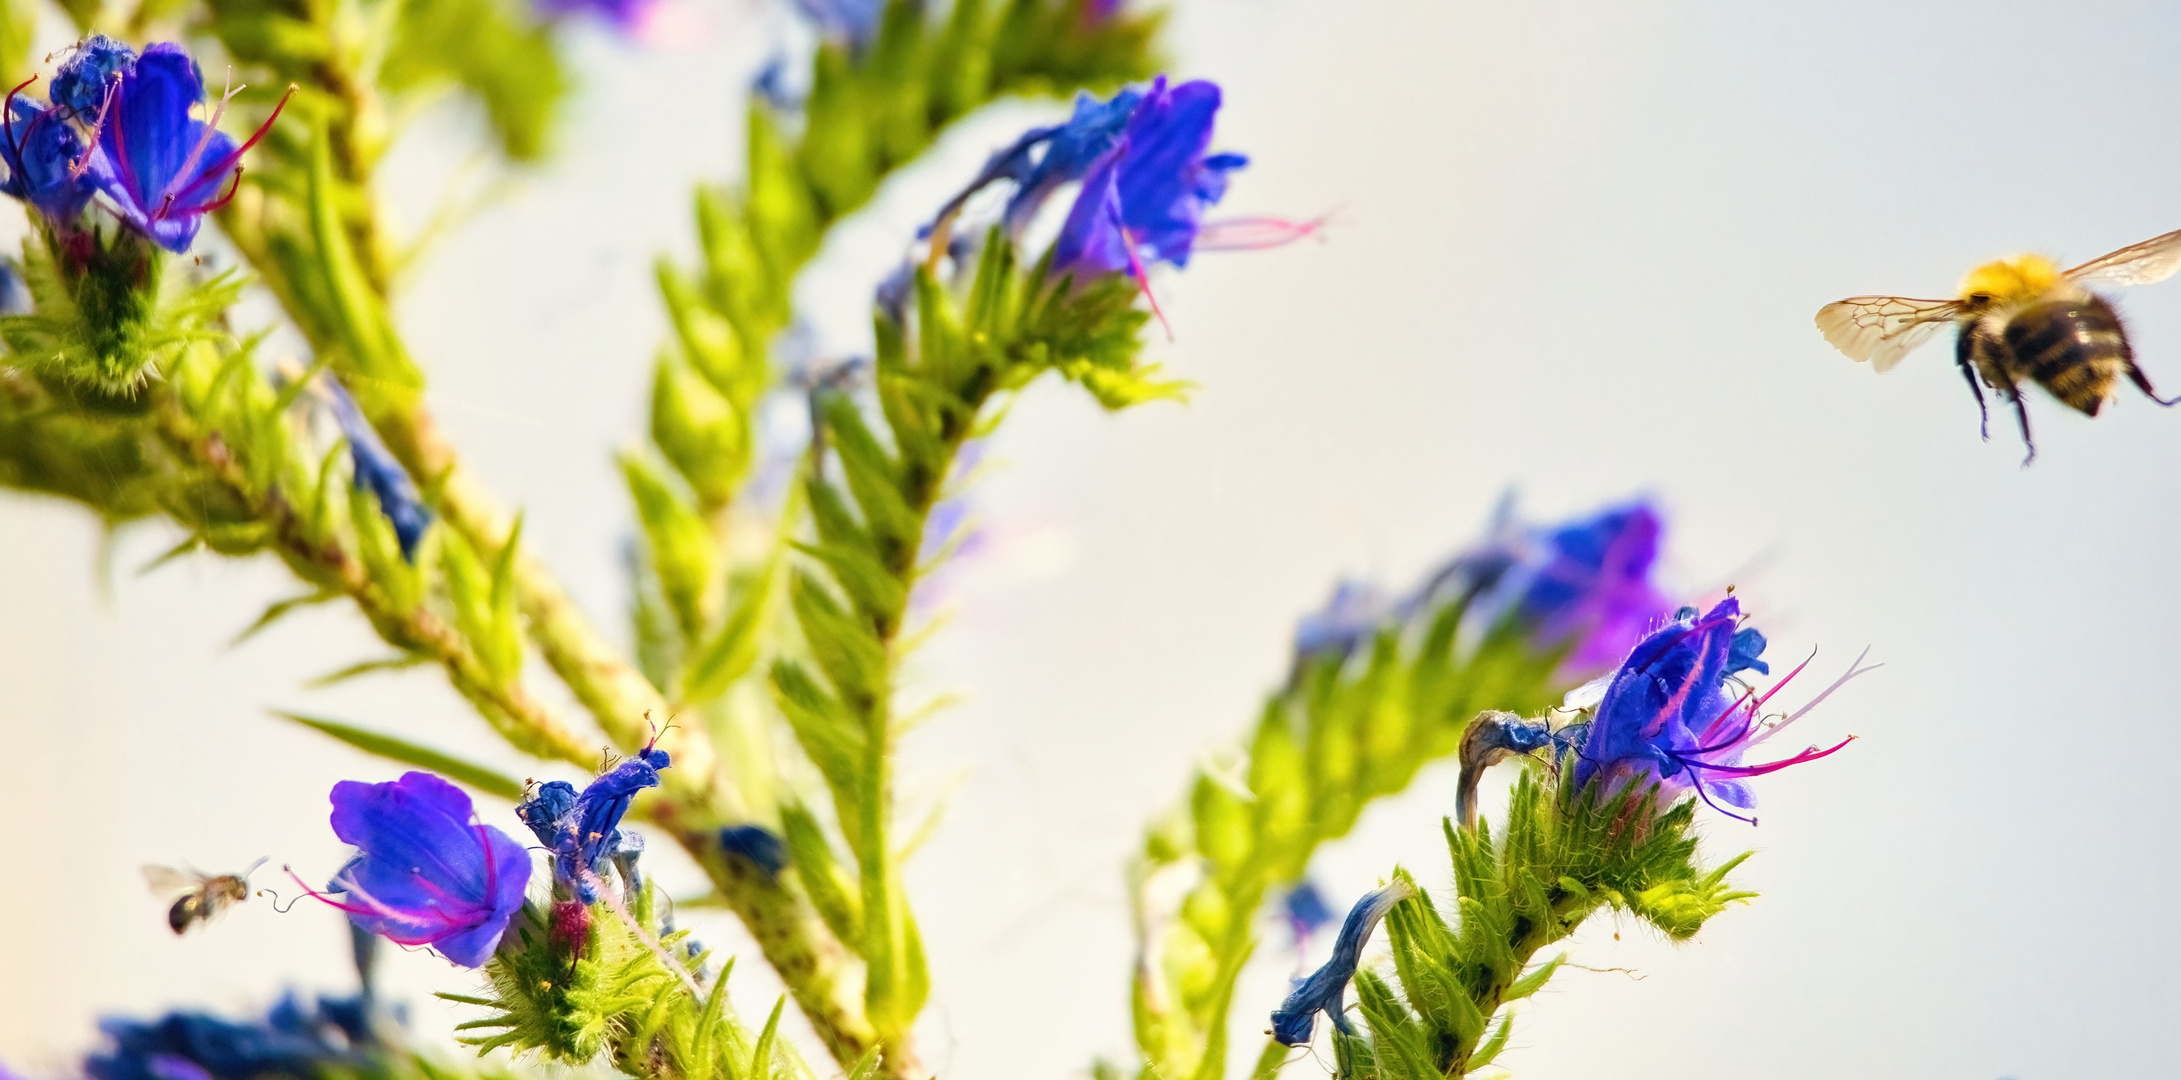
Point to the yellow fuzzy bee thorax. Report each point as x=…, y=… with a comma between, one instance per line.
x=2007, y=282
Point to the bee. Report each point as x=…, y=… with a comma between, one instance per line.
x=2021, y=320
x=204, y=897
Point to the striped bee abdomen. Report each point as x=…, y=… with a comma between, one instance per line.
x=2073, y=348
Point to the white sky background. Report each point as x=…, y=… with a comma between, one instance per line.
x=1578, y=252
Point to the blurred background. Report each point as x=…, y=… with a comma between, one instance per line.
x=1575, y=253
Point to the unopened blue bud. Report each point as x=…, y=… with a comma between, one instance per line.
x=757, y=844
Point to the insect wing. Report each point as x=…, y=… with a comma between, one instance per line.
x=1882, y=329
x=166, y=880
x=2147, y=263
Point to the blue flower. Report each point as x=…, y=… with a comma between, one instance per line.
x=292, y=1040
x=1326, y=989
x=1305, y=909
x=427, y=872
x=15, y=298
x=42, y=154
x=757, y=844
x=1144, y=199
x=1582, y=585
x=583, y=830
x=377, y=471
x=89, y=74
x=851, y=23
x=1666, y=717
x=1355, y=612
x=163, y=169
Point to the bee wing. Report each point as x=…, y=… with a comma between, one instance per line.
x=1882, y=329
x=2147, y=263
x=166, y=880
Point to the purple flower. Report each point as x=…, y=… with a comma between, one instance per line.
x=427, y=872
x=42, y=152
x=627, y=16
x=1587, y=583
x=162, y=169
x=1143, y=200
x=376, y=470
x=1666, y=716
x=1326, y=989
x=89, y=73
x=583, y=830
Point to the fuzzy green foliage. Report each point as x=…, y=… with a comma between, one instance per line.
x=1566, y=854
x=871, y=496
x=110, y=308
x=1344, y=733
x=625, y=990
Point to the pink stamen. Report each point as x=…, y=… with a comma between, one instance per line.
x=15, y=148
x=214, y=171
x=1254, y=233
x=1143, y=280
x=1812, y=754
x=77, y=168
x=1854, y=670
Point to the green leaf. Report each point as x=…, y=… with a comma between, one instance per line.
x=368, y=667
x=408, y=753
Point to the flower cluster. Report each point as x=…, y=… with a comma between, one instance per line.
x=1667, y=718
x=120, y=127
x=426, y=871
x=293, y=1039
x=1582, y=585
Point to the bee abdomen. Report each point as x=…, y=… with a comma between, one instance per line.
x=2073, y=348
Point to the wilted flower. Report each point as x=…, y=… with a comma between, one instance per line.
x=89, y=74
x=427, y=872
x=162, y=169
x=1666, y=716
x=583, y=830
x=757, y=844
x=1143, y=199
x=376, y=470
x=1494, y=737
x=1326, y=989
x=293, y=1039
x=41, y=154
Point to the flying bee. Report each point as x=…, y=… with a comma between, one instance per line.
x=2021, y=320
x=204, y=897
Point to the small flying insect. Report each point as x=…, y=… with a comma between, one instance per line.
x=204, y=897
x=2021, y=320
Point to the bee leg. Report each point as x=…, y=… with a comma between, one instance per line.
x=1969, y=375
x=2143, y=383
x=2022, y=414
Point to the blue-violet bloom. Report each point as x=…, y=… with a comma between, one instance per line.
x=1666, y=717
x=583, y=831
x=42, y=152
x=427, y=872
x=376, y=470
x=163, y=169
x=1355, y=612
x=850, y=23
x=1143, y=200
x=1326, y=989
x=1305, y=910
